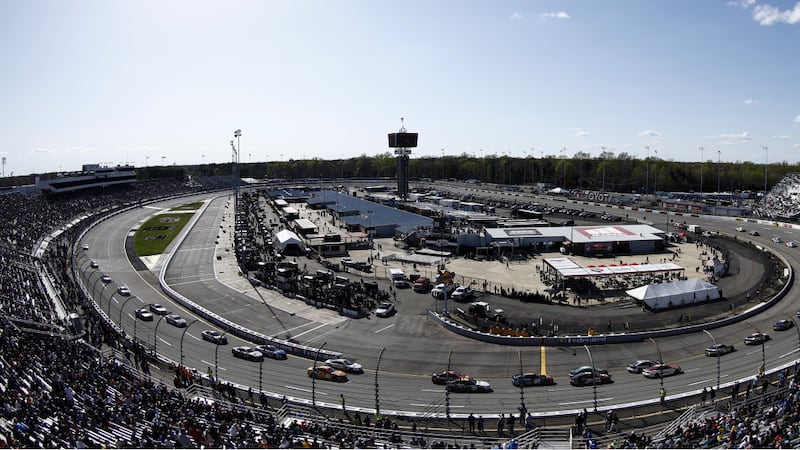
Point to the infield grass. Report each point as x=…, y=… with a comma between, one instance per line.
x=153, y=236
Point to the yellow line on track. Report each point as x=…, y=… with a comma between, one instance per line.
x=543, y=358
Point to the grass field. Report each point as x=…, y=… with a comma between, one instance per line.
x=158, y=232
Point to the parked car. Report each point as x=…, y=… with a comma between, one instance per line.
x=532, y=379
x=248, y=353
x=756, y=338
x=385, y=309
x=93, y=264
x=463, y=293
x=176, y=320
x=123, y=290
x=345, y=365
x=783, y=325
x=442, y=289
x=144, y=314
x=468, y=384
x=662, y=370
x=106, y=279
x=639, y=365
x=445, y=376
x=326, y=373
x=270, y=351
x=157, y=308
x=719, y=350
x=214, y=336
x=421, y=284
x=586, y=379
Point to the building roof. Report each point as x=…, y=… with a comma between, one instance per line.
x=580, y=234
x=568, y=268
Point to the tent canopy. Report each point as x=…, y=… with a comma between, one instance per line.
x=667, y=295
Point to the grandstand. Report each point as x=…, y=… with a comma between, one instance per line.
x=782, y=201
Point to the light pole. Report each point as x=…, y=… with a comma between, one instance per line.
x=660, y=364
x=314, y=377
x=563, y=168
x=594, y=377
x=184, y=334
x=702, y=163
x=719, y=169
x=162, y=160
x=146, y=159
x=443, y=164
x=766, y=164
x=647, y=172
x=377, y=390
x=521, y=387
x=446, y=390
x=603, y=162
x=655, y=173
x=155, y=335
x=121, y=308
x=718, y=355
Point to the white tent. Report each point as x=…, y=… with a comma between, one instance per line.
x=668, y=295
x=286, y=239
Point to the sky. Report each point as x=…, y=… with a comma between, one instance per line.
x=167, y=82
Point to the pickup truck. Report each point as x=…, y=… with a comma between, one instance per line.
x=462, y=294
x=439, y=291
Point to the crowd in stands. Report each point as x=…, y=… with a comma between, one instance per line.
x=783, y=200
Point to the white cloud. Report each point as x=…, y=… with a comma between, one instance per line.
x=783, y=136
x=649, y=133
x=516, y=16
x=731, y=139
x=750, y=101
x=796, y=146
x=797, y=120
x=770, y=15
x=39, y=150
x=744, y=4
x=580, y=132
x=79, y=150
x=744, y=136
x=554, y=15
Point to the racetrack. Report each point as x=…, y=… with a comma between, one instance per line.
x=415, y=345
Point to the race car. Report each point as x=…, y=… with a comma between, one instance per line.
x=532, y=379
x=662, y=370
x=327, y=373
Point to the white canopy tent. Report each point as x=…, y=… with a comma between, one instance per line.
x=286, y=239
x=668, y=295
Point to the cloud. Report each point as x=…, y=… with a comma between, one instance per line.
x=731, y=139
x=554, y=15
x=796, y=146
x=580, y=132
x=750, y=101
x=783, y=136
x=79, y=150
x=39, y=150
x=516, y=16
x=744, y=4
x=649, y=133
x=797, y=120
x=770, y=15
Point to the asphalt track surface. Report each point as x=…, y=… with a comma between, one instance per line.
x=414, y=345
